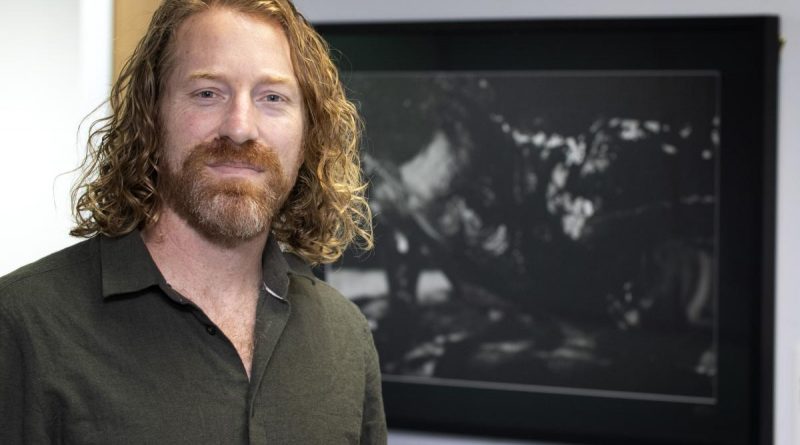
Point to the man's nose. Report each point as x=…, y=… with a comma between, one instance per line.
x=239, y=124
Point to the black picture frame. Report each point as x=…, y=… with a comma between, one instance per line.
x=742, y=52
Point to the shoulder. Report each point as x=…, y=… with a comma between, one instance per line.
x=49, y=275
x=312, y=294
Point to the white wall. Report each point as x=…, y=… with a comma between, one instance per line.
x=787, y=380
x=55, y=67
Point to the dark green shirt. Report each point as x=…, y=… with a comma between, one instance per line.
x=96, y=348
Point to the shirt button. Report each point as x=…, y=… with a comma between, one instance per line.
x=211, y=330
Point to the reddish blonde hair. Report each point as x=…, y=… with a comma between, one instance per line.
x=326, y=210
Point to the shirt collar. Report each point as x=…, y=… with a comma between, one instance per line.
x=128, y=267
x=274, y=270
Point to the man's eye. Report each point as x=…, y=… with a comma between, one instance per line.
x=206, y=94
x=273, y=98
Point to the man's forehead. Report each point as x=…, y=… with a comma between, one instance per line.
x=201, y=24
x=242, y=17
x=206, y=43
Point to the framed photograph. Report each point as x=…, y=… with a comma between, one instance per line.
x=574, y=225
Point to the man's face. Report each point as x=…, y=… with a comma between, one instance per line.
x=233, y=122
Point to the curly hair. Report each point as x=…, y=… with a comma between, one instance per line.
x=325, y=212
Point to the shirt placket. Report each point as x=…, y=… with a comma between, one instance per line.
x=272, y=315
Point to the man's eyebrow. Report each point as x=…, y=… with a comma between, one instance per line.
x=204, y=75
x=277, y=79
x=265, y=79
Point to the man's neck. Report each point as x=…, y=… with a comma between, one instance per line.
x=209, y=274
x=223, y=281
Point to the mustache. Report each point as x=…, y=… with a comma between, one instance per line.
x=224, y=150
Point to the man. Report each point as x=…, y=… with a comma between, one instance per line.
x=180, y=319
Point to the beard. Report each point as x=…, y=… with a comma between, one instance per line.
x=226, y=210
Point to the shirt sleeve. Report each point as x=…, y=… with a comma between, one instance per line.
x=373, y=426
x=11, y=383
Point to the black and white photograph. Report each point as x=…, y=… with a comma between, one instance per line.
x=549, y=232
